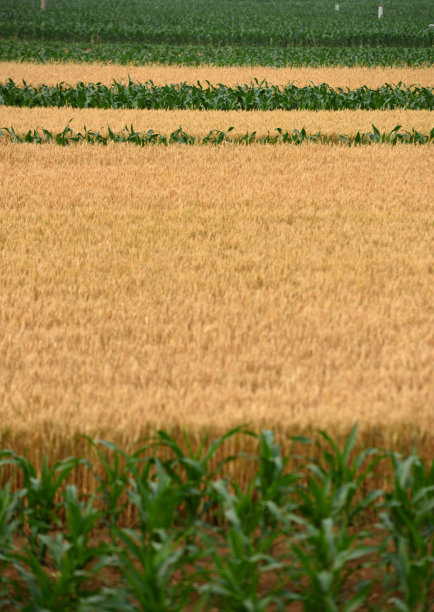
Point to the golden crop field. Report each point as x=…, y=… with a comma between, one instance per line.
x=199, y=287
x=203, y=287
x=53, y=73
x=199, y=123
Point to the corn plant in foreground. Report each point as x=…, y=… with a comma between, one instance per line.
x=310, y=532
x=407, y=518
x=74, y=561
x=40, y=513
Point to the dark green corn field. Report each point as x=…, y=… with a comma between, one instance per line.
x=169, y=527
x=223, y=22
x=195, y=55
x=284, y=32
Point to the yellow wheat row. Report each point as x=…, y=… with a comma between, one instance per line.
x=204, y=287
x=53, y=73
x=199, y=123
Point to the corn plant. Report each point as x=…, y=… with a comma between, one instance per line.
x=62, y=580
x=335, y=480
x=154, y=496
x=324, y=552
x=9, y=522
x=113, y=484
x=275, y=485
x=190, y=471
x=39, y=496
x=148, y=567
x=408, y=521
x=164, y=543
x=234, y=583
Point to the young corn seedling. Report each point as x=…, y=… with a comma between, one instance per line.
x=324, y=553
x=39, y=507
x=63, y=582
x=328, y=509
x=190, y=471
x=408, y=521
x=113, y=484
x=234, y=581
x=154, y=496
x=336, y=480
x=275, y=486
x=265, y=506
x=154, y=571
x=9, y=522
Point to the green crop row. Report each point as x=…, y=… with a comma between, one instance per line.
x=224, y=22
x=215, y=137
x=124, y=53
x=256, y=96
x=295, y=534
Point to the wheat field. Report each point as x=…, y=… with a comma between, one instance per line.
x=287, y=287
x=198, y=287
x=53, y=73
x=199, y=123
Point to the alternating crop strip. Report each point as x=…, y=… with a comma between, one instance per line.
x=54, y=73
x=130, y=135
x=256, y=96
x=199, y=123
x=126, y=53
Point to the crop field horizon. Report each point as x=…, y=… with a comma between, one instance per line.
x=199, y=288
x=299, y=23
x=57, y=72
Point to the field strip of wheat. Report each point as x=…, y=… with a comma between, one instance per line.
x=53, y=73
x=199, y=123
x=204, y=287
